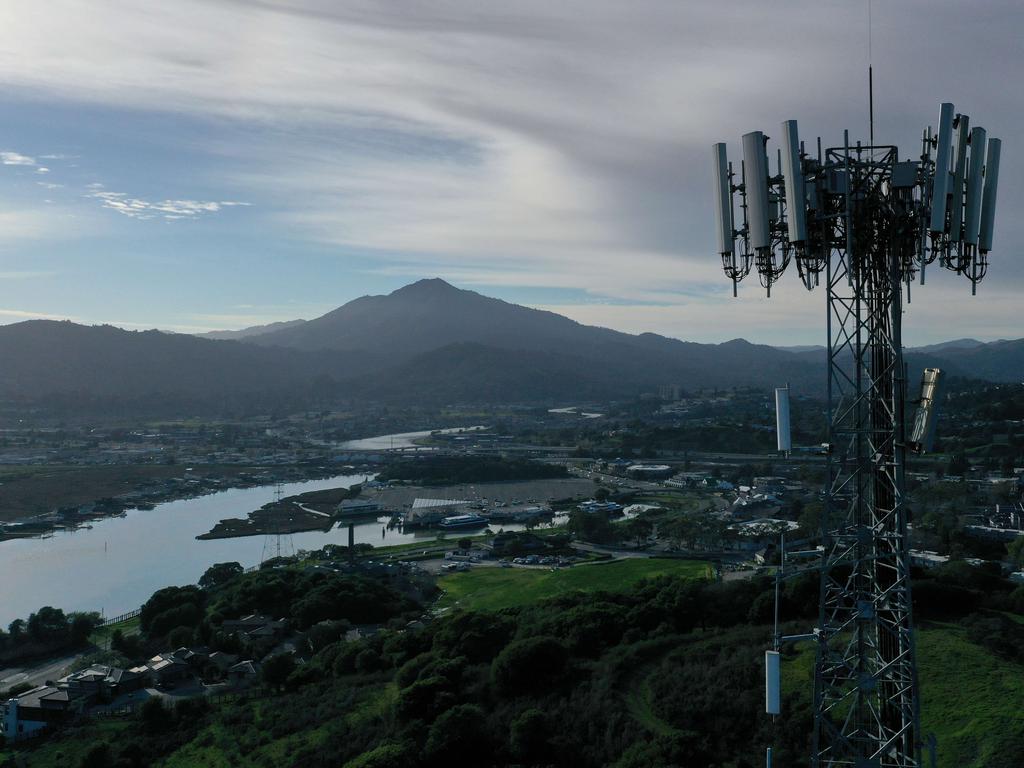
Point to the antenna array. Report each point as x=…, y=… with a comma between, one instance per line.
x=867, y=223
x=941, y=206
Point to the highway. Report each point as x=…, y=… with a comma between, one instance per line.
x=37, y=675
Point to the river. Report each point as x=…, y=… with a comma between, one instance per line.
x=402, y=440
x=118, y=563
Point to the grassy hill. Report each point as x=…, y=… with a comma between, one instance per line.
x=592, y=666
x=491, y=589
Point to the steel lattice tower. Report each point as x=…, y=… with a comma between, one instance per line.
x=868, y=224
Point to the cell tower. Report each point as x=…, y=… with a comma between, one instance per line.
x=867, y=223
x=278, y=542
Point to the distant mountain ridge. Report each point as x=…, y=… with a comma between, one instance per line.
x=253, y=330
x=428, y=342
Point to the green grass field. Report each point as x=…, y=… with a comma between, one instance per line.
x=491, y=589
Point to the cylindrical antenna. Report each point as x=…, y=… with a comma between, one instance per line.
x=940, y=186
x=756, y=164
x=972, y=208
x=723, y=200
x=988, y=203
x=796, y=198
x=783, y=437
x=963, y=132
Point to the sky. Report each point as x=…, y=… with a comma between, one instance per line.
x=223, y=163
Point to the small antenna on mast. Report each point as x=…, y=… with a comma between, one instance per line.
x=871, y=85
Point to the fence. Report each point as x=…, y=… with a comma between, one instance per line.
x=121, y=618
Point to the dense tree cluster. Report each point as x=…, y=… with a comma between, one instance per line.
x=46, y=631
x=664, y=675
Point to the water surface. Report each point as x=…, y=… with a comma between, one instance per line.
x=117, y=564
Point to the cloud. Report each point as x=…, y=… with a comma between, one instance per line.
x=20, y=224
x=42, y=169
x=538, y=144
x=795, y=316
x=14, y=158
x=170, y=210
x=21, y=314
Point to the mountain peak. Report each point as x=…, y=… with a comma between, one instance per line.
x=430, y=286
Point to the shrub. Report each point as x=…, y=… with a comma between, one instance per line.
x=528, y=734
x=97, y=757
x=425, y=699
x=458, y=735
x=385, y=756
x=530, y=664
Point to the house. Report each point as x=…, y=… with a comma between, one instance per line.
x=101, y=682
x=254, y=627
x=223, y=661
x=34, y=711
x=925, y=559
x=244, y=672
x=196, y=658
x=163, y=668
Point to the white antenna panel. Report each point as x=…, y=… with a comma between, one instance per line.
x=796, y=207
x=963, y=131
x=941, y=184
x=756, y=184
x=988, y=203
x=772, y=683
x=972, y=208
x=784, y=438
x=723, y=200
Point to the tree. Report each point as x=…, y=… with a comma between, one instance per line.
x=958, y=465
x=465, y=543
x=530, y=663
x=809, y=517
x=425, y=699
x=172, y=607
x=276, y=670
x=82, y=625
x=639, y=529
x=459, y=733
x=1016, y=551
x=219, y=574
x=47, y=623
x=154, y=715
x=528, y=734
x=17, y=630
x=387, y=755
x=591, y=526
x=601, y=494
x=179, y=637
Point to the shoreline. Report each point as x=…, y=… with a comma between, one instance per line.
x=255, y=476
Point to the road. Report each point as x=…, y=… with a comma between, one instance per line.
x=37, y=675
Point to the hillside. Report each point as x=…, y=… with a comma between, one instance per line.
x=254, y=330
x=102, y=366
x=426, y=343
x=431, y=315
x=595, y=666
